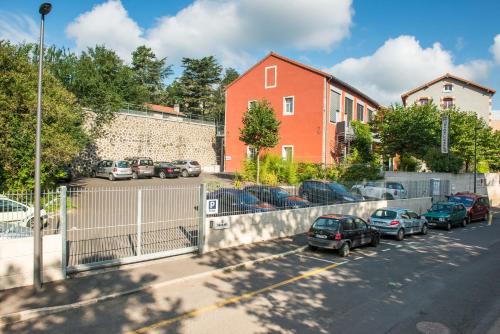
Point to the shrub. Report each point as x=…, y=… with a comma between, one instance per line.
x=409, y=163
x=439, y=162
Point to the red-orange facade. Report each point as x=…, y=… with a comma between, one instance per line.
x=308, y=102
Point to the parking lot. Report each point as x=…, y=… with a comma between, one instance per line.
x=444, y=282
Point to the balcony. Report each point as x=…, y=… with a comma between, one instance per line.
x=345, y=133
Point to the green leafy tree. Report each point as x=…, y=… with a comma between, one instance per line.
x=62, y=131
x=362, y=141
x=229, y=76
x=197, y=85
x=151, y=72
x=260, y=129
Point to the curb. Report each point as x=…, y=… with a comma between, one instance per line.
x=43, y=311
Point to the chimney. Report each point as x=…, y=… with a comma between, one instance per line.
x=177, y=108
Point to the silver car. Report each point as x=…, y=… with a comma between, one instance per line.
x=398, y=222
x=119, y=169
x=188, y=167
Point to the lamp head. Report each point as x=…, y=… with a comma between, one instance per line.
x=45, y=8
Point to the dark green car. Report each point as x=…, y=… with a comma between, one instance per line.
x=446, y=215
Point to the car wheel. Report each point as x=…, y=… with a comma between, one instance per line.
x=400, y=235
x=424, y=230
x=111, y=177
x=163, y=175
x=94, y=174
x=388, y=196
x=134, y=175
x=313, y=248
x=375, y=241
x=344, y=250
x=464, y=222
x=448, y=226
x=185, y=173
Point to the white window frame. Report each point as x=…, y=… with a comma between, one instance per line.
x=275, y=76
x=350, y=97
x=360, y=102
x=341, y=106
x=249, y=153
x=283, y=151
x=368, y=109
x=249, y=103
x=284, y=105
x=445, y=90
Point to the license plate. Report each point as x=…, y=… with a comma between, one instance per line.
x=320, y=236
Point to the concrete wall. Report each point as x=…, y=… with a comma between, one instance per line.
x=16, y=261
x=466, y=97
x=487, y=183
x=249, y=228
x=160, y=139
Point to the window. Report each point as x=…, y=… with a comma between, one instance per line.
x=423, y=101
x=287, y=152
x=348, y=110
x=270, y=77
x=370, y=115
x=360, y=225
x=360, y=111
x=348, y=224
x=448, y=103
x=334, y=106
x=251, y=152
x=288, y=105
x=447, y=88
x=251, y=103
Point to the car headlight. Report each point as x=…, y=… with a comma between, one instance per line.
x=442, y=219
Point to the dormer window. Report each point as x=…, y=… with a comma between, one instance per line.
x=447, y=88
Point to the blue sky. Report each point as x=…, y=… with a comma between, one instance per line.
x=383, y=47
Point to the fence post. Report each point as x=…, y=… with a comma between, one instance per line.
x=139, y=222
x=203, y=215
x=63, y=214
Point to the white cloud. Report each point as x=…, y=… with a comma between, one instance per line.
x=231, y=30
x=107, y=24
x=17, y=28
x=495, y=48
x=402, y=64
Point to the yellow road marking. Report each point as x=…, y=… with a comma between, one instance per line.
x=233, y=300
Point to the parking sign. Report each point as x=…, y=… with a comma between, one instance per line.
x=212, y=206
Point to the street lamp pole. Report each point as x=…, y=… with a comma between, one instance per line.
x=37, y=254
x=475, y=156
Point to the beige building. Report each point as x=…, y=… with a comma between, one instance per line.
x=449, y=90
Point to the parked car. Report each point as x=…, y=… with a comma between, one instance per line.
x=341, y=232
x=478, y=206
x=141, y=167
x=16, y=217
x=188, y=167
x=236, y=201
x=277, y=197
x=380, y=190
x=447, y=215
x=166, y=169
x=113, y=170
x=398, y=222
x=323, y=192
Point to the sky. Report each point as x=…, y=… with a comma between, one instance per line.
x=382, y=47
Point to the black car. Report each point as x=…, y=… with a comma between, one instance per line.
x=341, y=232
x=324, y=192
x=277, y=197
x=236, y=201
x=166, y=169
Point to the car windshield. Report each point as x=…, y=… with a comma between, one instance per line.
x=326, y=224
x=338, y=188
x=441, y=208
x=122, y=164
x=280, y=193
x=397, y=186
x=384, y=214
x=146, y=163
x=247, y=198
x=194, y=163
x=467, y=201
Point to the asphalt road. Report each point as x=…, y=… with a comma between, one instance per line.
x=445, y=282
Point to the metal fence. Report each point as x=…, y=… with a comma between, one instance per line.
x=110, y=225
x=17, y=214
x=258, y=198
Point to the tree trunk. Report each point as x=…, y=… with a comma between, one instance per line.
x=258, y=167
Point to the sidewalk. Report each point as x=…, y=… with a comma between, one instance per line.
x=91, y=285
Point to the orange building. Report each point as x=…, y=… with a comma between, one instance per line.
x=314, y=108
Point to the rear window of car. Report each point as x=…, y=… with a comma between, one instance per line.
x=122, y=164
x=326, y=224
x=467, y=201
x=194, y=163
x=397, y=186
x=146, y=162
x=385, y=214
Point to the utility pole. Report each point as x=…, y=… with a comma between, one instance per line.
x=475, y=155
x=37, y=237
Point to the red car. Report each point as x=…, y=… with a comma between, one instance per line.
x=478, y=206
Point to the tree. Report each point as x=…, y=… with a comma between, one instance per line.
x=229, y=76
x=260, y=129
x=196, y=84
x=151, y=73
x=362, y=141
x=62, y=129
